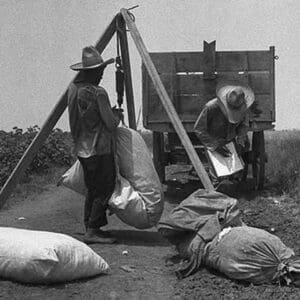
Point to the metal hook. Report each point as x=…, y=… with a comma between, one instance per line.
x=276, y=57
x=133, y=7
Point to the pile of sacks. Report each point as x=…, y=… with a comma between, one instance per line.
x=138, y=197
x=207, y=231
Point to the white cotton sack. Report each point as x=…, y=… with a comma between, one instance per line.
x=46, y=257
x=137, y=199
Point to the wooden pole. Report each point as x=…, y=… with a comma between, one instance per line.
x=47, y=127
x=121, y=27
x=166, y=101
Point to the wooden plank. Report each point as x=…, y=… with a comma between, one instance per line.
x=192, y=106
x=127, y=72
x=47, y=127
x=187, y=105
x=209, y=60
x=145, y=95
x=164, y=63
x=186, y=62
x=259, y=126
x=225, y=61
x=197, y=84
x=167, y=102
x=264, y=103
x=184, y=117
x=260, y=82
x=156, y=109
x=272, y=80
x=189, y=126
x=167, y=80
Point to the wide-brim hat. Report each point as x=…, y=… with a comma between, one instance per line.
x=91, y=59
x=234, y=114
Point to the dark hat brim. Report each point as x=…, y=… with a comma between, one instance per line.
x=79, y=66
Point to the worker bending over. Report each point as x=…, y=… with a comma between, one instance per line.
x=224, y=119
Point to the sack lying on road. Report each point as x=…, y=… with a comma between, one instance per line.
x=46, y=257
x=195, y=222
x=204, y=213
x=253, y=255
x=138, y=196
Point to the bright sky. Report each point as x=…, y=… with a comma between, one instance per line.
x=41, y=38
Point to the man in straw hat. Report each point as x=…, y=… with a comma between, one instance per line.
x=224, y=119
x=93, y=123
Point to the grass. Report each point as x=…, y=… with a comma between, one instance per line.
x=283, y=149
x=34, y=184
x=283, y=167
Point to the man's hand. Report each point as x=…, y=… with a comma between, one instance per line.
x=223, y=150
x=118, y=112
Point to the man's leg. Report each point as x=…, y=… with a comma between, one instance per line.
x=94, y=213
x=89, y=171
x=106, y=177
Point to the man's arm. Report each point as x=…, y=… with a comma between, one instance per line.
x=241, y=131
x=110, y=120
x=200, y=129
x=243, y=127
x=73, y=112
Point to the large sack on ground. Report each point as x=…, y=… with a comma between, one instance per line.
x=252, y=254
x=46, y=257
x=203, y=213
x=138, y=196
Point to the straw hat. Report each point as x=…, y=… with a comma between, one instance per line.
x=234, y=100
x=91, y=59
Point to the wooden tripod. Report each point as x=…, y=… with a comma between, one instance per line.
x=119, y=23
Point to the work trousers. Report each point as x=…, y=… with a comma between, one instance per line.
x=99, y=176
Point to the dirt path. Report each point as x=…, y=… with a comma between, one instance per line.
x=60, y=210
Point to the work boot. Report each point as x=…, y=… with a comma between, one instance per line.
x=96, y=236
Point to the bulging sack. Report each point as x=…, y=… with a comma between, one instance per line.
x=138, y=197
x=73, y=179
x=253, y=255
x=46, y=257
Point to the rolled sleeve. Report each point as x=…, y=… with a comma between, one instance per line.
x=201, y=130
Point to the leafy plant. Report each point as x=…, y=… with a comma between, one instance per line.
x=55, y=151
x=283, y=166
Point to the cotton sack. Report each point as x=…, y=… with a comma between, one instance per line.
x=254, y=255
x=138, y=197
x=46, y=257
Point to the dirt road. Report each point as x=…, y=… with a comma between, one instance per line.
x=151, y=273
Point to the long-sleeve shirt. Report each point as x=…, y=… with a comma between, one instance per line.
x=92, y=121
x=213, y=128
